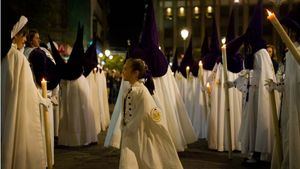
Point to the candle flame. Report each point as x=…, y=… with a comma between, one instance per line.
x=43, y=80
x=223, y=40
x=208, y=85
x=269, y=13
x=187, y=68
x=200, y=63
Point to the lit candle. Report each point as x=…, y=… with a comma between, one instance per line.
x=208, y=88
x=200, y=71
x=187, y=69
x=200, y=74
x=227, y=110
x=95, y=70
x=46, y=126
x=44, y=88
x=284, y=36
x=288, y=42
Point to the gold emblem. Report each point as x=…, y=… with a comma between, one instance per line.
x=155, y=115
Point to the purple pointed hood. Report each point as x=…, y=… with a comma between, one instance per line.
x=175, y=66
x=234, y=58
x=210, y=59
x=188, y=60
x=154, y=57
x=254, y=31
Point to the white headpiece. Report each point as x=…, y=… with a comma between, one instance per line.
x=18, y=26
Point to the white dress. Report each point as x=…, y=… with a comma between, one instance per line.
x=257, y=132
x=145, y=142
x=77, y=124
x=22, y=141
x=175, y=116
x=104, y=106
x=290, y=114
x=217, y=122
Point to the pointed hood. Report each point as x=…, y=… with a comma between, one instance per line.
x=205, y=45
x=154, y=58
x=254, y=31
x=175, y=66
x=214, y=54
x=90, y=58
x=234, y=58
x=43, y=67
x=188, y=60
x=74, y=68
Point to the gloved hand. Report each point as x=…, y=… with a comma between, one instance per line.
x=229, y=84
x=54, y=100
x=45, y=102
x=271, y=85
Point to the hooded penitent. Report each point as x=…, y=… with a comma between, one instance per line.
x=73, y=69
x=188, y=60
x=209, y=60
x=234, y=58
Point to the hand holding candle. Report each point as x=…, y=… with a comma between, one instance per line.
x=46, y=126
x=284, y=36
x=227, y=108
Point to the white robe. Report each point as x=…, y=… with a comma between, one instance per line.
x=146, y=144
x=77, y=124
x=290, y=115
x=257, y=132
x=104, y=106
x=217, y=122
x=22, y=141
x=175, y=116
x=94, y=97
x=50, y=94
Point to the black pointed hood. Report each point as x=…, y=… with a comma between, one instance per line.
x=73, y=69
x=90, y=58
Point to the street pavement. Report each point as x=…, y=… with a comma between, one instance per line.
x=197, y=156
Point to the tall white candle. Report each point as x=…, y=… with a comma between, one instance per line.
x=227, y=108
x=284, y=36
x=46, y=126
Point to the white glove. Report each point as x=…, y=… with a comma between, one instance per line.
x=54, y=100
x=46, y=102
x=271, y=85
x=229, y=84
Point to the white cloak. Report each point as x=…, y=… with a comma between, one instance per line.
x=22, y=141
x=257, y=132
x=146, y=144
x=175, y=116
x=77, y=124
x=290, y=115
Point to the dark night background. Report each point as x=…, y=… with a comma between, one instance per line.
x=125, y=19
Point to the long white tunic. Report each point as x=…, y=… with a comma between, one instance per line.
x=145, y=142
x=77, y=124
x=257, y=132
x=175, y=116
x=22, y=141
x=290, y=114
